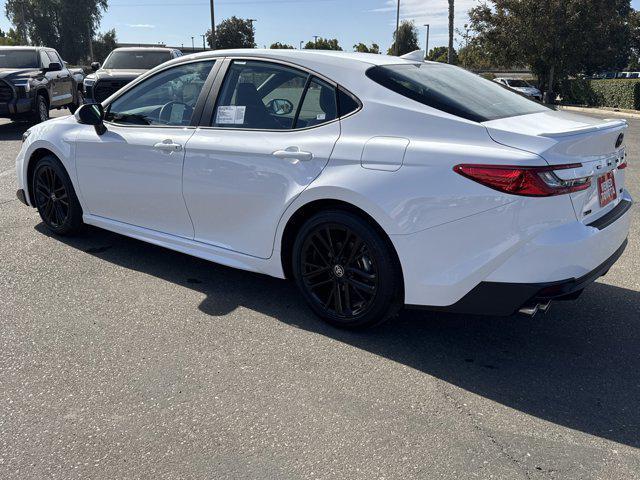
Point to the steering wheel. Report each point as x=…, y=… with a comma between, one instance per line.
x=167, y=108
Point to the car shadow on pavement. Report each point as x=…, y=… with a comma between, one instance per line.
x=577, y=366
x=13, y=131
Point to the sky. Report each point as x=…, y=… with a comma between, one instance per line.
x=174, y=22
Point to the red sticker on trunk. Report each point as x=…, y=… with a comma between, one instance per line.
x=607, y=189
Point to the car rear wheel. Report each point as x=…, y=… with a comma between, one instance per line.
x=41, y=112
x=346, y=270
x=55, y=197
x=78, y=103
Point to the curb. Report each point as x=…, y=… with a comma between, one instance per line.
x=603, y=111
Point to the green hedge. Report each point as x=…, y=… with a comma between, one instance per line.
x=620, y=93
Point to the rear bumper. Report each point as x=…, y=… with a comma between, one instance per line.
x=509, y=256
x=504, y=299
x=16, y=107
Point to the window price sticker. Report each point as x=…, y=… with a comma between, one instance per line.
x=231, y=115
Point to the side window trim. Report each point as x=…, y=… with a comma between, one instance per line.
x=225, y=63
x=302, y=99
x=200, y=103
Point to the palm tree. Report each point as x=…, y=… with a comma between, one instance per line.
x=451, y=15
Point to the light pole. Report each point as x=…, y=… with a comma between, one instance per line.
x=426, y=52
x=301, y=42
x=193, y=44
x=213, y=27
x=315, y=41
x=398, y=31
x=204, y=47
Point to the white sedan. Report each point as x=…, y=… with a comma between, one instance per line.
x=373, y=182
x=520, y=86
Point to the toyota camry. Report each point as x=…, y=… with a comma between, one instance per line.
x=373, y=182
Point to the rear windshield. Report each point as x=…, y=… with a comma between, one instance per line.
x=18, y=59
x=453, y=90
x=136, y=60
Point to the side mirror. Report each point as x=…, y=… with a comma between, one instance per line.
x=92, y=114
x=95, y=66
x=54, y=67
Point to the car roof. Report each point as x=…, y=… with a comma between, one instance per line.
x=327, y=56
x=345, y=68
x=144, y=49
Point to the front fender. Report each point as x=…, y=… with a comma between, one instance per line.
x=55, y=136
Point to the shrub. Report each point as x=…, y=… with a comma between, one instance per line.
x=620, y=93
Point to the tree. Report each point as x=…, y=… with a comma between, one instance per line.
x=451, y=19
x=555, y=38
x=66, y=25
x=281, y=46
x=407, y=38
x=363, y=48
x=441, y=54
x=233, y=32
x=473, y=57
x=104, y=44
x=323, y=44
x=634, y=40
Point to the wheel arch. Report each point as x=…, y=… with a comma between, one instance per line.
x=308, y=210
x=35, y=156
x=45, y=93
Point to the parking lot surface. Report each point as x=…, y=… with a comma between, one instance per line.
x=121, y=360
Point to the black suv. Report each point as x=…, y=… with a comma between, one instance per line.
x=34, y=80
x=121, y=67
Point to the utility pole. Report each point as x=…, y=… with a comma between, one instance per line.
x=90, y=37
x=426, y=52
x=193, y=44
x=203, y=44
x=398, y=31
x=24, y=25
x=213, y=27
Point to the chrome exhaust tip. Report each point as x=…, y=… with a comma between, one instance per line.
x=532, y=310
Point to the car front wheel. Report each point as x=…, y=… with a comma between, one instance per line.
x=346, y=270
x=55, y=197
x=41, y=112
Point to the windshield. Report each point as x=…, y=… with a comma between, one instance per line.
x=454, y=90
x=18, y=59
x=132, y=60
x=518, y=83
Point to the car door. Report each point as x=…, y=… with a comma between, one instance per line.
x=270, y=133
x=62, y=80
x=52, y=80
x=133, y=172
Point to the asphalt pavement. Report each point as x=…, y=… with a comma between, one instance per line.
x=122, y=360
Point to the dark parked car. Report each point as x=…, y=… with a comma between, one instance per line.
x=122, y=66
x=34, y=80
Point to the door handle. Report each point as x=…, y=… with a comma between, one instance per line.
x=293, y=153
x=168, y=146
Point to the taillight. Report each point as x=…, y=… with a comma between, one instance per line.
x=623, y=165
x=525, y=181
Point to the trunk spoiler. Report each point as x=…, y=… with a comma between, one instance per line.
x=609, y=124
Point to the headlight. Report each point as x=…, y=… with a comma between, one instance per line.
x=89, y=82
x=22, y=84
x=25, y=135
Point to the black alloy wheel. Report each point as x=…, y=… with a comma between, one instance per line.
x=55, y=198
x=345, y=271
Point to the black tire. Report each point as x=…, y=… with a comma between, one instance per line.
x=41, y=112
x=55, y=197
x=78, y=102
x=346, y=271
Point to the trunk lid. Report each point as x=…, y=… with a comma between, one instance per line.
x=562, y=138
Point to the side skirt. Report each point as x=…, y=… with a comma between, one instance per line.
x=271, y=267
